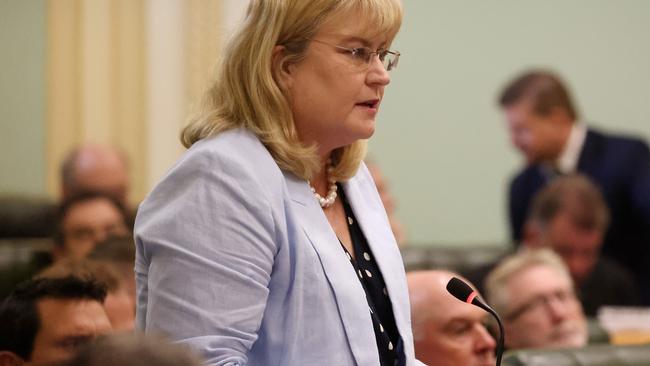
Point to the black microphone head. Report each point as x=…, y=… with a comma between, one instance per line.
x=459, y=289
x=463, y=292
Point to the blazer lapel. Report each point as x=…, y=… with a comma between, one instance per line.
x=347, y=289
x=371, y=216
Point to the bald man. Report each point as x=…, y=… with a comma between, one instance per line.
x=95, y=168
x=446, y=331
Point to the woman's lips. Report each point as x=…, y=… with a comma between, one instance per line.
x=369, y=105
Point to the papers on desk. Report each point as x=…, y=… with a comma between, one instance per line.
x=626, y=325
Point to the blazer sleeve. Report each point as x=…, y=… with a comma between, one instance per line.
x=206, y=242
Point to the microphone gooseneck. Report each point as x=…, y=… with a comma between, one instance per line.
x=463, y=292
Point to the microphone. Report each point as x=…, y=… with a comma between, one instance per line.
x=465, y=293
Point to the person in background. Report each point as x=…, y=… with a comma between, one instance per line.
x=119, y=252
x=133, y=350
x=118, y=304
x=389, y=202
x=84, y=220
x=46, y=320
x=267, y=243
x=545, y=127
x=447, y=332
x=534, y=294
x=570, y=216
x=96, y=168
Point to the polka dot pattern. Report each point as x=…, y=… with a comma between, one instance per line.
x=389, y=342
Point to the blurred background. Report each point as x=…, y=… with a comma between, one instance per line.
x=127, y=72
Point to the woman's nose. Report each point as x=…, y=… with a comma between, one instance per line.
x=377, y=73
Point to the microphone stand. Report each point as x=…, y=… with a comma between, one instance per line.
x=463, y=292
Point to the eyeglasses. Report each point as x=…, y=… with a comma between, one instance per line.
x=538, y=302
x=362, y=56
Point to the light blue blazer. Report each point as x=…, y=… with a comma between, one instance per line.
x=236, y=258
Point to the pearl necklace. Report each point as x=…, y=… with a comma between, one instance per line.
x=329, y=199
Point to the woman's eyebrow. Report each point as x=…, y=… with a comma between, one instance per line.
x=350, y=38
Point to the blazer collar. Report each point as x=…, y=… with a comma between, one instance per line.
x=345, y=285
x=371, y=216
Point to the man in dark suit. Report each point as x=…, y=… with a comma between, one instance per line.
x=544, y=127
x=570, y=216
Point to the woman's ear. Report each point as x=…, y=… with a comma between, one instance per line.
x=281, y=67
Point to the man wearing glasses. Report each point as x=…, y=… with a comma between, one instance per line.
x=534, y=294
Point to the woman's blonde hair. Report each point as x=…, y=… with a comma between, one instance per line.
x=247, y=95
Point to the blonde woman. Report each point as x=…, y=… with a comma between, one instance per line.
x=267, y=243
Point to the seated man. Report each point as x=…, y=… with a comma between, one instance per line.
x=534, y=294
x=82, y=221
x=119, y=251
x=446, y=332
x=134, y=350
x=95, y=168
x=570, y=216
x=86, y=219
x=44, y=321
x=119, y=304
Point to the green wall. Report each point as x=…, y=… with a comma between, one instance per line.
x=22, y=96
x=440, y=138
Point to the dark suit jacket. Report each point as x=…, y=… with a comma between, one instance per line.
x=607, y=284
x=620, y=166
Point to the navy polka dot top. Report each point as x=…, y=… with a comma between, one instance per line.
x=389, y=342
